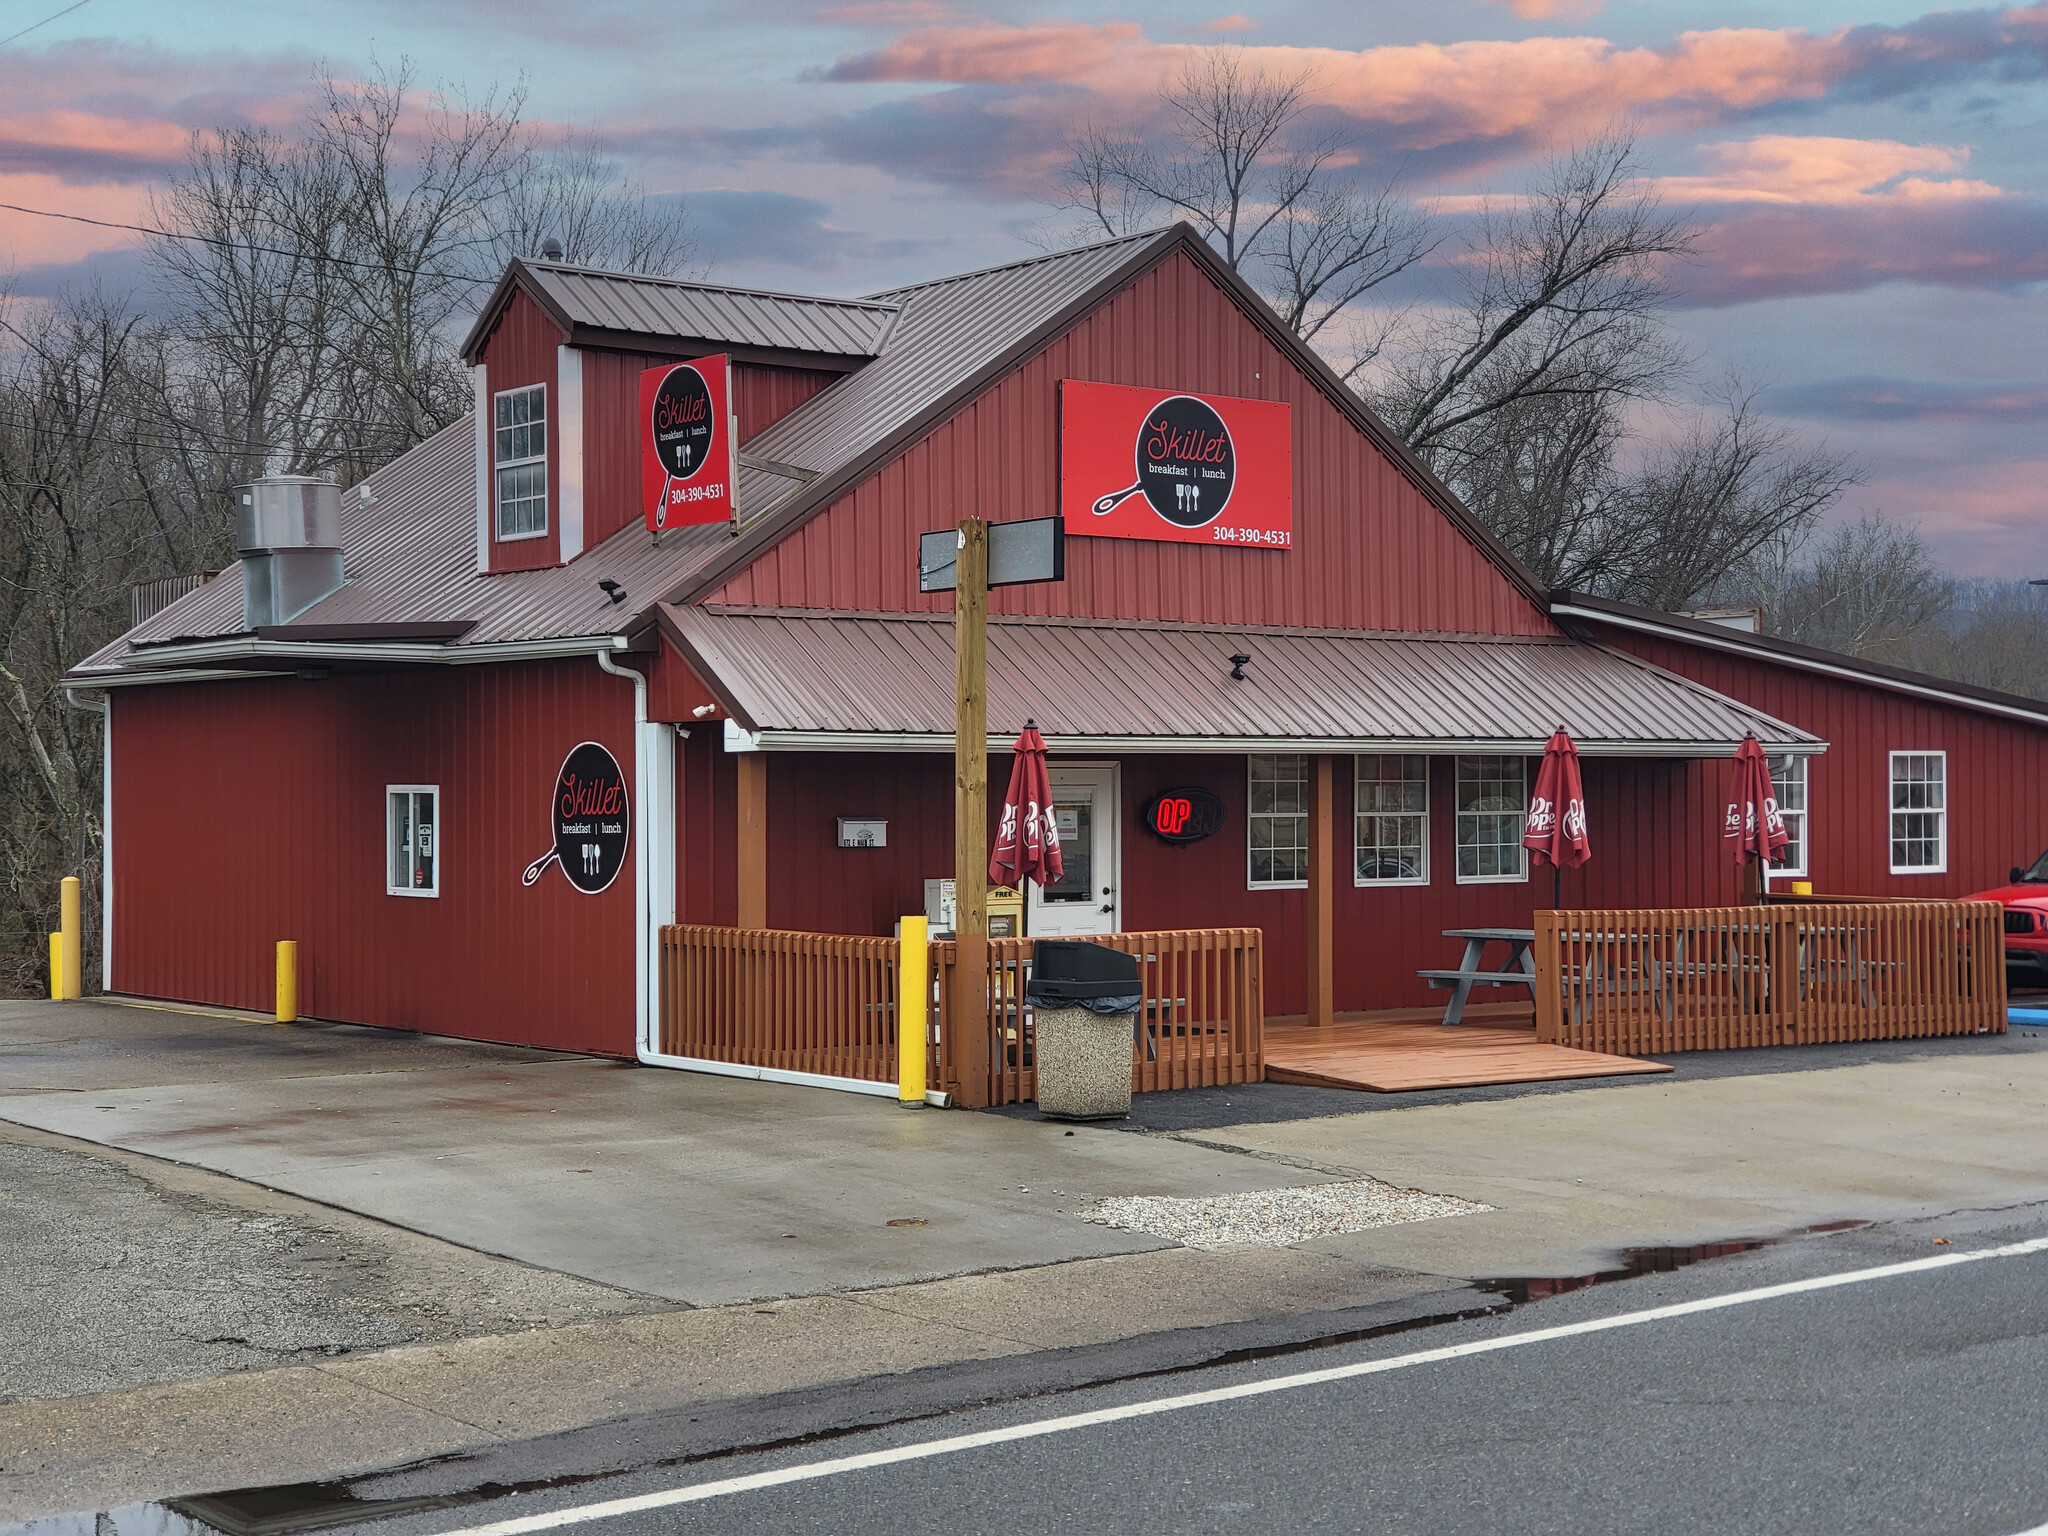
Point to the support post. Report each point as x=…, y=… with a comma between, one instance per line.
x=753, y=840
x=1322, y=887
x=913, y=1010
x=970, y=811
x=287, y=981
x=57, y=967
x=71, y=927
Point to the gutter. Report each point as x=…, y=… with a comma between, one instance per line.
x=1735, y=645
x=740, y=739
x=102, y=708
x=643, y=906
x=168, y=664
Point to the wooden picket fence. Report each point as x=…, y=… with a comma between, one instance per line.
x=826, y=1004
x=1644, y=983
x=822, y=1003
x=1201, y=1023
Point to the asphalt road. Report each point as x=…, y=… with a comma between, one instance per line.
x=1910, y=1401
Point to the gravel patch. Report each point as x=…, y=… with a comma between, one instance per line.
x=1274, y=1218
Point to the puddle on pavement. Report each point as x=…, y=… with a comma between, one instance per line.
x=288, y=1508
x=1647, y=1261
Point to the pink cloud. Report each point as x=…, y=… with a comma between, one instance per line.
x=33, y=242
x=1227, y=24
x=991, y=54
x=1562, y=10
x=1781, y=168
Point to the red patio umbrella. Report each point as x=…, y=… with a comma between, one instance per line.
x=1752, y=828
x=1557, y=812
x=1028, y=841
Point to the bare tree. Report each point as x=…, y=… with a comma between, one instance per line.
x=571, y=191
x=1869, y=588
x=1561, y=296
x=1241, y=163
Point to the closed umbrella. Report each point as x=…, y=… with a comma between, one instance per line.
x=1557, y=813
x=1028, y=840
x=1753, y=828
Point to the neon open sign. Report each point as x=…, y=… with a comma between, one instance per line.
x=1184, y=815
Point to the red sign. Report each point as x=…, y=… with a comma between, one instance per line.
x=1188, y=469
x=686, y=454
x=1184, y=815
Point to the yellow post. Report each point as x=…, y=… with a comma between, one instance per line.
x=56, y=967
x=913, y=1005
x=287, y=981
x=73, y=939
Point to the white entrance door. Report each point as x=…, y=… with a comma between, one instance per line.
x=1086, y=899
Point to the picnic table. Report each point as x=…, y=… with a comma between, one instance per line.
x=1519, y=969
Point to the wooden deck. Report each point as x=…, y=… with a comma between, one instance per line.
x=1401, y=1050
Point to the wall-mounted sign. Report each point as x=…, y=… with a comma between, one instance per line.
x=592, y=816
x=686, y=451
x=863, y=832
x=1188, y=469
x=1184, y=815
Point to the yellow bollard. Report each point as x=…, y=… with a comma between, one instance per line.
x=913, y=1005
x=73, y=938
x=287, y=981
x=56, y=967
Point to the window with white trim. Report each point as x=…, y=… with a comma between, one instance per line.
x=1391, y=843
x=1788, y=787
x=1493, y=808
x=1276, y=821
x=412, y=857
x=520, y=456
x=1919, y=813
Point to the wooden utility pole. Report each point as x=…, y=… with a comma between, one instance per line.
x=970, y=812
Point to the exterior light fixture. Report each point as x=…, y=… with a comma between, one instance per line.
x=1237, y=665
x=612, y=590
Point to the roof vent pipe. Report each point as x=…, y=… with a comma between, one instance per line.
x=288, y=529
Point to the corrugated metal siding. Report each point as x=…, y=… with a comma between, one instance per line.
x=1371, y=550
x=791, y=671
x=251, y=812
x=747, y=317
x=1998, y=770
x=522, y=351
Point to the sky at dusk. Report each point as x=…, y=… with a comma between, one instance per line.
x=1871, y=176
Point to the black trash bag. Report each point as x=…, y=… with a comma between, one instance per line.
x=1072, y=973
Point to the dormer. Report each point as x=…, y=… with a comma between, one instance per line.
x=555, y=359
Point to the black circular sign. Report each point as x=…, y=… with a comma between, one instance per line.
x=593, y=817
x=681, y=423
x=1184, y=815
x=1186, y=461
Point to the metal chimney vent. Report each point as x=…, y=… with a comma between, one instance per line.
x=288, y=529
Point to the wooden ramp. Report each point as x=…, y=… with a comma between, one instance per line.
x=1406, y=1050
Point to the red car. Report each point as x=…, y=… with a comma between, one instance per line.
x=2026, y=917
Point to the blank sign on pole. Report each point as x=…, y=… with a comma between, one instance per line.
x=1018, y=554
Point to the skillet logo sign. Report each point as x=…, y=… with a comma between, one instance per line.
x=1187, y=469
x=592, y=816
x=686, y=444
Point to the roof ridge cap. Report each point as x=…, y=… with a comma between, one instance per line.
x=1011, y=266
x=569, y=269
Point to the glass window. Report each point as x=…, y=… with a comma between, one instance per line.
x=521, y=457
x=1391, y=846
x=1788, y=785
x=1493, y=800
x=1276, y=820
x=1073, y=813
x=412, y=865
x=1919, y=813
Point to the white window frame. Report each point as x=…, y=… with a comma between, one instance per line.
x=500, y=465
x=1307, y=789
x=1359, y=815
x=1895, y=811
x=391, y=885
x=1798, y=770
x=1521, y=876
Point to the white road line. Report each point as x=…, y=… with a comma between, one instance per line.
x=812, y=1470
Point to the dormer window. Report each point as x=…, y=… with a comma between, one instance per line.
x=521, y=461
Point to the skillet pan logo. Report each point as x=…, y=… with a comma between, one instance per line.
x=592, y=817
x=1186, y=464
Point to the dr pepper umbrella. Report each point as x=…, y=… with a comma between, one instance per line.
x=1557, y=813
x=1028, y=841
x=1753, y=828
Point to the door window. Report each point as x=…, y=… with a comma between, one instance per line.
x=1073, y=812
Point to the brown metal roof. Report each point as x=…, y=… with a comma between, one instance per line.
x=1102, y=683
x=618, y=305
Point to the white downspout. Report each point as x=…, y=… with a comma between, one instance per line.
x=99, y=707
x=643, y=914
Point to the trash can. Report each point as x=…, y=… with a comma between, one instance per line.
x=1084, y=1000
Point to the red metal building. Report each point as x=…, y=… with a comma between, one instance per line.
x=383, y=775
